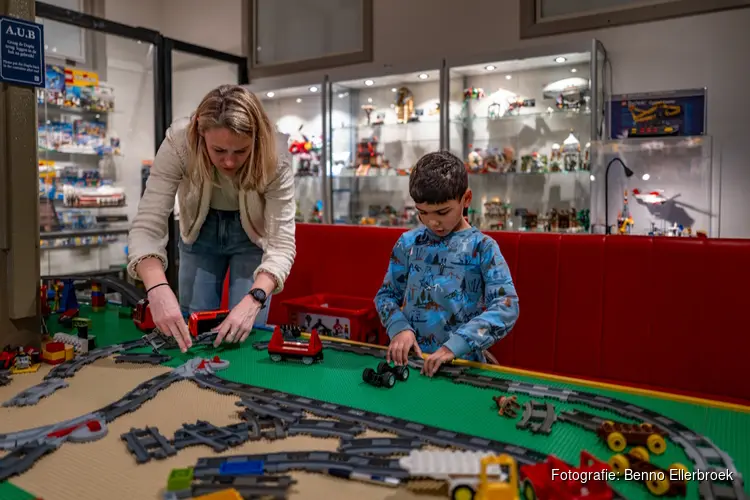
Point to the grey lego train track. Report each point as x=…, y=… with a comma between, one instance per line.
x=249, y=487
x=704, y=454
x=701, y=450
x=318, y=461
x=582, y=419
x=69, y=368
x=383, y=423
x=325, y=428
x=33, y=394
x=129, y=293
x=4, y=378
x=537, y=417
x=142, y=357
x=380, y=446
x=21, y=459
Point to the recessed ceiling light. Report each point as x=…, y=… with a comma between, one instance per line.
x=299, y=100
x=573, y=70
x=369, y=99
x=341, y=96
x=560, y=59
x=270, y=94
x=489, y=67
x=394, y=89
x=423, y=76
x=313, y=89
x=646, y=177
x=508, y=77
x=369, y=83
x=592, y=178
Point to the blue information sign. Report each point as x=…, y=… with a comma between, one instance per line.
x=659, y=114
x=21, y=52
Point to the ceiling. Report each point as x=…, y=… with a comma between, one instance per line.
x=521, y=65
x=389, y=80
x=289, y=92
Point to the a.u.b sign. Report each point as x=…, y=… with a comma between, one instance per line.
x=21, y=52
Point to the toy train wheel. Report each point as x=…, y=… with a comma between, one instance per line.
x=619, y=464
x=308, y=360
x=463, y=492
x=276, y=357
x=679, y=467
x=616, y=441
x=656, y=444
x=640, y=453
x=528, y=490
x=658, y=486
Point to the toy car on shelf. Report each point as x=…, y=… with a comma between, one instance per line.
x=618, y=435
x=400, y=372
x=378, y=379
x=308, y=351
x=658, y=481
x=539, y=482
x=205, y=321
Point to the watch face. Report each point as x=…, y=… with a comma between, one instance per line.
x=259, y=295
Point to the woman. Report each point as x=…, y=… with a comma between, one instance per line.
x=235, y=192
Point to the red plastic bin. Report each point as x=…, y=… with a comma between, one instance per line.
x=337, y=316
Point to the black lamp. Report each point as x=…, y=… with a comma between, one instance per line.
x=628, y=173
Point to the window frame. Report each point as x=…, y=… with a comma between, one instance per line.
x=320, y=63
x=533, y=27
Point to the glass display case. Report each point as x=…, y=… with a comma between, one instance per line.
x=83, y=180
x=660, y=186
x=298, y=113
x=524, y=129
x=379, y=128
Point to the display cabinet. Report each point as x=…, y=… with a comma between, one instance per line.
x=524, y=129
x=83, y=222
x=658, y=186
x=298, y=113
x=378, y=128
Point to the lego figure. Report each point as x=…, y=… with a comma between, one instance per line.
x=507, y=406
x=22, y=361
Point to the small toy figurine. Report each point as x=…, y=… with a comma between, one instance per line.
x=507, y=406
x=22, y=360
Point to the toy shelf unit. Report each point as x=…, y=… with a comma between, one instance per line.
x=297, y=113
x=524, y=129
x=379, y=128
x=667, y=188
x=81, y=206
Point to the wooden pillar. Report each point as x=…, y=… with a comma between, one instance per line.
x=20, y=322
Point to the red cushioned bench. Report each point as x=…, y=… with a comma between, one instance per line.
x=658, y=313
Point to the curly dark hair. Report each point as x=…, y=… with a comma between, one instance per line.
x=437, y=178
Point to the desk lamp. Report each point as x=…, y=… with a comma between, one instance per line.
x=628, y=173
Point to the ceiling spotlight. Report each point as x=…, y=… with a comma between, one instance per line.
x=646, y=177
x=313, y=89
x=299, y=100
x=394, y=89
x=560, y=59
x=341, y=96
x=489, y=68
x=369, y=83
x=573, y=70
x=369, y=99
x=423, y=76
x=270, y=94
x=592, y=178
x=508, y=77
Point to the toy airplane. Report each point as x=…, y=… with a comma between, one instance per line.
x=566, y=87
x=655, y=197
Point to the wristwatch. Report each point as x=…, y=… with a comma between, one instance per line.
x=260, y=295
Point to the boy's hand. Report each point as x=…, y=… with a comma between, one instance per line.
x=401, y=344
x=437, y=358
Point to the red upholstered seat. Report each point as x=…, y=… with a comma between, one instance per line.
x=662, y=313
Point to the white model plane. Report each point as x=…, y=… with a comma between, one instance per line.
x=655, y=197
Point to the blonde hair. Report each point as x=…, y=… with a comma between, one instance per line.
x=239, y=110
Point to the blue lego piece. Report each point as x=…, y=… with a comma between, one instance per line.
x=246, y=468
x=68, y=301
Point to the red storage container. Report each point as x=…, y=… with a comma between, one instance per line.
x=337, y=316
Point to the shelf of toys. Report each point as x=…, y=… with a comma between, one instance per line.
x=77, y=162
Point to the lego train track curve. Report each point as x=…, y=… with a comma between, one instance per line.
x=704, y=454
x=374, y=421
x=130, y=293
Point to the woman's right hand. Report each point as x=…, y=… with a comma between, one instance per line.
x=167, y=316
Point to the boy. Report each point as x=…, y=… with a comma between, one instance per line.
x=454, y=285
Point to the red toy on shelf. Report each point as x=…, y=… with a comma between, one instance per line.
x=538, y=480
x=308, y=351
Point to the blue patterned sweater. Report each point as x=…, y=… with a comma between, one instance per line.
x=454, y=291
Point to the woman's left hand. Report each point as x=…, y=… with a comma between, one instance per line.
x=239, y=322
